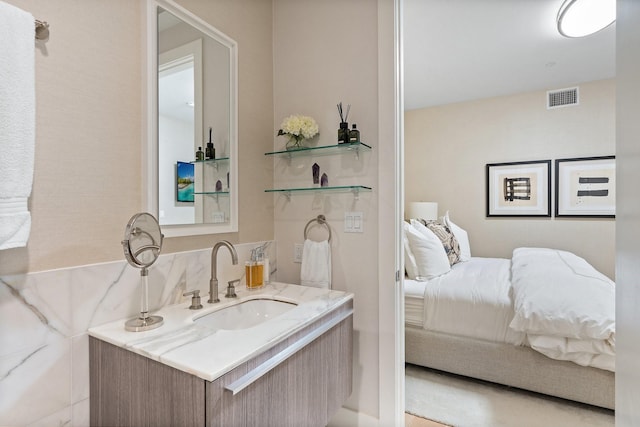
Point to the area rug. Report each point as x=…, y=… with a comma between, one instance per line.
x=460, y=402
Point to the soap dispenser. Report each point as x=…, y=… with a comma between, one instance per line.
x=254, y=271
x=248, y=266
x=267, y=271
x=257, y=276
x=248, y=270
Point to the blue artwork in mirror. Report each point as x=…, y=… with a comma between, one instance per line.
x=184, y=182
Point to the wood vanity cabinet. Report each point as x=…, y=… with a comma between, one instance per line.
x=303, y=388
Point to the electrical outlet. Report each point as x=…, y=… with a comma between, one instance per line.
x=297, y=252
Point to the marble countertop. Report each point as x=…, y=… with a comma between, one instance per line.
x=208, y=353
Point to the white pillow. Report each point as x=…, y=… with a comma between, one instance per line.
x=409, y=259
x=431, y=258
x=461, y=236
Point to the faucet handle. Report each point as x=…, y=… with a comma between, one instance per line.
x=195, y=299
x=231, y=289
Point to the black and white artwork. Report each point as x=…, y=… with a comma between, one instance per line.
x=586, y=187
x=519, y=188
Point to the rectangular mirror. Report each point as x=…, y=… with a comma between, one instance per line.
x=192, y=150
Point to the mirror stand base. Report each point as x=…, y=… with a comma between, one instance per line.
x=140, y=324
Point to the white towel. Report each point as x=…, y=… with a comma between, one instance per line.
x=17, y=124
x=316, y=264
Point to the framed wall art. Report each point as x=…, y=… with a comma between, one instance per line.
x=184, y=182
x=586, y=187
x=519, y=189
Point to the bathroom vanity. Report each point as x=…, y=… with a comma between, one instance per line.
x=285, y=358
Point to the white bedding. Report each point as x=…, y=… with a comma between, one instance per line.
x=472, y=300
x=565, y=306
x=414, y=302
x=476, y=299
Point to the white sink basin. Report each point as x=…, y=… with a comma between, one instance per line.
x=245, y=315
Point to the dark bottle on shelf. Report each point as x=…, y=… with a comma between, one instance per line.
x=210, y=150
x=343, y=133
x=354, y=134
x=199, y=154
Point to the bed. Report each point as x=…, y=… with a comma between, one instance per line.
x=541, y=321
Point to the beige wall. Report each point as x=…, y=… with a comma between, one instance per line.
x=90, y=121
x=327, y=52
x=88, y=134
x=447, y=148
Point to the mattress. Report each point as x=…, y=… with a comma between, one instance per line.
x=414, y=302
x=472, y=300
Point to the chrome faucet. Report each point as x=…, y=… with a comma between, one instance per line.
x=213, y=282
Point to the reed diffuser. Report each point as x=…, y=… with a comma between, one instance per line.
x=210, y=150
x=343, y=131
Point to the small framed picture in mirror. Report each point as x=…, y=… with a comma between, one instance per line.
x=184, y=182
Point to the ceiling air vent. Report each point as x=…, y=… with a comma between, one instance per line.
x=562, y=98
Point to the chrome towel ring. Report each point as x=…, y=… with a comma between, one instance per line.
x=320, y=219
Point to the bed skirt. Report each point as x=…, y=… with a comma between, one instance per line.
x=509, y=365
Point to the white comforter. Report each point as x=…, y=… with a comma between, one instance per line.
x=472, y=300
x=565, y=307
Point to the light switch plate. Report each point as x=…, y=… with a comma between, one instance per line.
x=217, y=217
x=353, y=222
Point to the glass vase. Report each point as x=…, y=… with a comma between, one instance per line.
x=294, y=142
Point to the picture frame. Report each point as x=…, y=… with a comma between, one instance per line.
x=185, y=182
x=586, y=187
x=519, y=189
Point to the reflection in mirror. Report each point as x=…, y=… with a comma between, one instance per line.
x=196, y=125
x=178, y=109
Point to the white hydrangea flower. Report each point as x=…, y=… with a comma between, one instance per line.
x=304, y=126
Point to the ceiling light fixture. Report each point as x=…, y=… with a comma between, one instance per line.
x=579, y=18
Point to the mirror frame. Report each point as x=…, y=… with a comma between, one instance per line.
x=131, y=230
x=150, y=153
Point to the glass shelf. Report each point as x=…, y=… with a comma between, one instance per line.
x=211, y=162
x=354, y=147
x=355, y=189
x=211, y=193
x=220, y=159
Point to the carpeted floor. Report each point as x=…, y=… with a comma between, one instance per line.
x=460, y=402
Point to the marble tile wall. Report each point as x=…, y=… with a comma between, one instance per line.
x=44, y=318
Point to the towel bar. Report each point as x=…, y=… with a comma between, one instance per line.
x=320, y=219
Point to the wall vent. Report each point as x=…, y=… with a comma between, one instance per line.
x=562, y=98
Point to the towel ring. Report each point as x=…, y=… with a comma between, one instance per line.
x=320, y=220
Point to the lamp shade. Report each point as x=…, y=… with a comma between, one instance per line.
x=579, y=18
x=423, y=210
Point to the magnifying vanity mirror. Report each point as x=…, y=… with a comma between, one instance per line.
x=142, y=245
x=192, y=184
